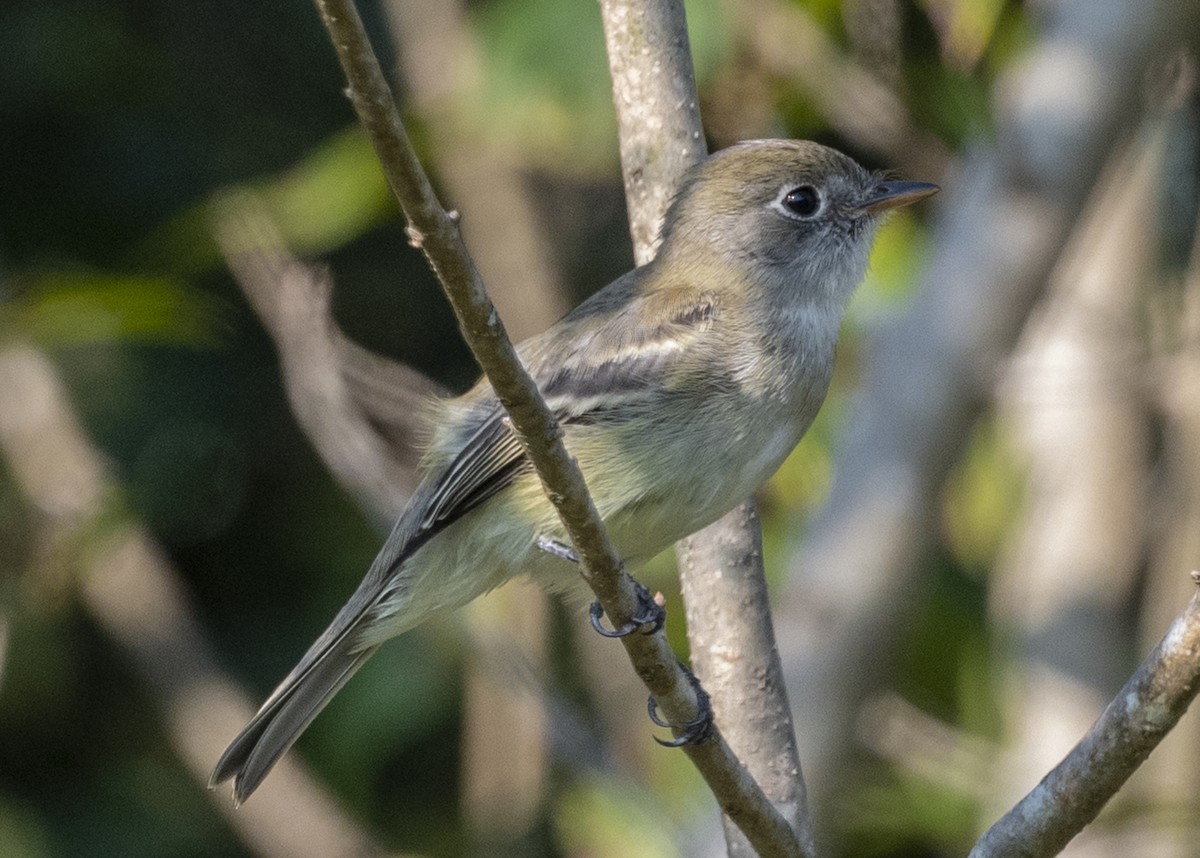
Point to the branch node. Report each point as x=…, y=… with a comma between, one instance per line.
x=556, y=548
x=416, y=238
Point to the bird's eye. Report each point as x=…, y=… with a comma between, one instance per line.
x=804, y=201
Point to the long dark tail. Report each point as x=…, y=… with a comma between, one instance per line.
x=324, y=669
x=329, y=663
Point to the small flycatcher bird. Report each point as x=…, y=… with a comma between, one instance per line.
x=680, y=388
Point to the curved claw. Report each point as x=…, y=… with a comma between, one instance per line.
x=693, y=732
x=650, y=617
x=597, y=611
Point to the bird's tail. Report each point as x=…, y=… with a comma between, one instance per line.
x=324, y=669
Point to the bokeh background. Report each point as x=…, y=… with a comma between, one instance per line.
x=173, y=535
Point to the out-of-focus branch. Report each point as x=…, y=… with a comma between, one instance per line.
x=1169, y=776
x=1004, y=220
x=358, y=409
x=1072, y=401
x=441, y=69
x=1141, y=714
x=859, y=106
x=135, y=597
x=721, y=568
x=733, y=651
x=506, y=743
x=432, y=230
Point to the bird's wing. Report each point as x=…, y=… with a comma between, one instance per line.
x=597, y=367
x=490, y=460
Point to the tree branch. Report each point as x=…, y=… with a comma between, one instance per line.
x=1141, y=714
x=658, y=113
x=733, y=651
x=432, y=230
x=720, y=568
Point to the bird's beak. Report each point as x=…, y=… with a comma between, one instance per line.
x=893, y=195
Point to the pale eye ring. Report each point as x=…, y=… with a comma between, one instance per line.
x=804, y=201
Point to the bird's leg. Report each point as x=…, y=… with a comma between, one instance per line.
x=558, y=549
x=693, y=732
x=650, y=616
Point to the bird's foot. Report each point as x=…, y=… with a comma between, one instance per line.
x=650, y=616
x=694, y=731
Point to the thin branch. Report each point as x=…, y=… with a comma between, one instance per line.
x=654, y=91
x=432, y=230
x=1141, y=714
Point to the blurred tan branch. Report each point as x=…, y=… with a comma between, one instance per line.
x=1169, y=777
x=506, y=764
x=1073, y=401
x=130, y=590
x=359, y=410
x=440, y=65
x=432, y=230
x=789, y=44
x=1005, y=217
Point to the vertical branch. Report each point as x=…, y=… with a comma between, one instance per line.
x=733, y=651
x=1071, y=398
x=658, y=114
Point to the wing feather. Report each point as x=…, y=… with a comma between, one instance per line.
x=595, y=368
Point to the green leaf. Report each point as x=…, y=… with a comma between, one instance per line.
x=326, y=200
x=72, y=308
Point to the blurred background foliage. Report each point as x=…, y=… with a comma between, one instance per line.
x=122, y=122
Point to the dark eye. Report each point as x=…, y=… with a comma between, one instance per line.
x=803, y=201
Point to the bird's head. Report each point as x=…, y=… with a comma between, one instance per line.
x=794, y=214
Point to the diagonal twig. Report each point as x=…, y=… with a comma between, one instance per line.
x=435, y=233
x=133, y=594
x=1137, y=719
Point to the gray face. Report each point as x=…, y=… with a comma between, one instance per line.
x=796, y=218
x=791, y=213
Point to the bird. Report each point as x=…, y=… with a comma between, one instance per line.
x=680, y=388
